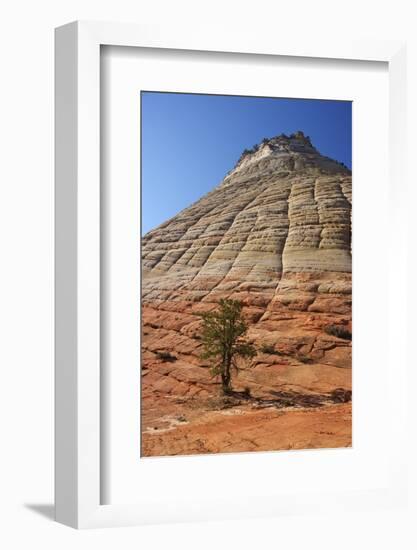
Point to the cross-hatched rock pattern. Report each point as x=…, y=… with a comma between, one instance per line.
x=287, y=210
x=274, y=234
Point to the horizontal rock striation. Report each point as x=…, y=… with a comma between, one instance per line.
x=283, y=209
x=275, y=234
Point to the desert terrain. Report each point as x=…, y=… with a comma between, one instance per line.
x=275, y=234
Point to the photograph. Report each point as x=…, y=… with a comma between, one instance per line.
x=246, y=274
x=209, y=265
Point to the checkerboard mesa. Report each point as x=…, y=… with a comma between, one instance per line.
x=284, y=210
x=274, y=235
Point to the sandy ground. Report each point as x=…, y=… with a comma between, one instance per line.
x=246, y=428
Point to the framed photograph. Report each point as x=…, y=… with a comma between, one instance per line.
x=229, y=328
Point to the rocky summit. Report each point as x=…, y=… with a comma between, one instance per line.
x=275, y=234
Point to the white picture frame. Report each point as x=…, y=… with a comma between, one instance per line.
x=78, y=405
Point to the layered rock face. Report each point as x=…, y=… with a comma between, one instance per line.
x=276, y=235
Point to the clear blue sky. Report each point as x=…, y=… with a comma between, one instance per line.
x=190, y=142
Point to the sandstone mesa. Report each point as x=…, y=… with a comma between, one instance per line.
x=276, y=235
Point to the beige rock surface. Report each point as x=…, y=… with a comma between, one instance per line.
x=275, y=234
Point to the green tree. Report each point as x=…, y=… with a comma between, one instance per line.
x=223, y=340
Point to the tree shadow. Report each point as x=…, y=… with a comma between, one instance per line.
x=281, y=399
x=296, y=399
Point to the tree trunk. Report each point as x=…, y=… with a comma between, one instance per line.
x=226, y=376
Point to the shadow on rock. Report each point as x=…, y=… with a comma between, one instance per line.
x=283, y=399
